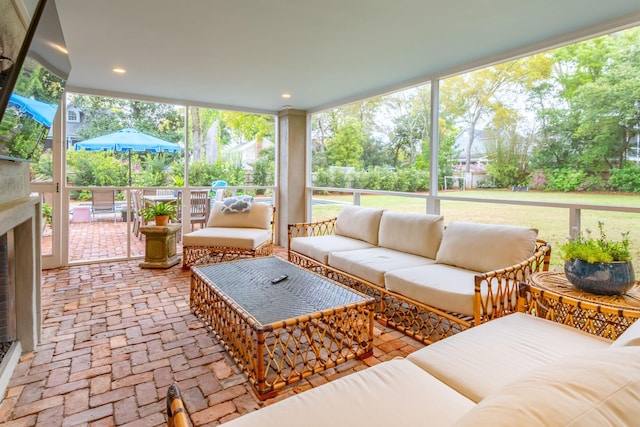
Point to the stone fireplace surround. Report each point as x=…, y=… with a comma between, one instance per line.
x=21, y=213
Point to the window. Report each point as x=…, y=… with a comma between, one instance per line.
x=72, y=116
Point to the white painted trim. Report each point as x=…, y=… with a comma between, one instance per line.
x=180, y=102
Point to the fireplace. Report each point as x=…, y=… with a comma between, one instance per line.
x=7, y=293
x=20, y=275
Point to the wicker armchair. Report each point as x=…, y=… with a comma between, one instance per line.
x=230, y=236
x=495, y=292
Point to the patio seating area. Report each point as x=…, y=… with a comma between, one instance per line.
x=113, y=345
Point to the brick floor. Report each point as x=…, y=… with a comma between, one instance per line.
x=102, y=238
x=115, y=336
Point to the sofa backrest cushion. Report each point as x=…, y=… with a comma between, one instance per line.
x=259, y=216
x=359, y=223
x=597, y=389
x=629, y=337
x=418, y=234
x=485, y=247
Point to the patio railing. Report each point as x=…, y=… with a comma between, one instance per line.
x=544, y=212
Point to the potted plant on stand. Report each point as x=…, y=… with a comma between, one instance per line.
x=160, y=212
x=599, y=265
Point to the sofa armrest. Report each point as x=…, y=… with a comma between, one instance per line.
x=307, y=229
x=496, y=292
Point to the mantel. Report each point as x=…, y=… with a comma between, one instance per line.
x=15, y=212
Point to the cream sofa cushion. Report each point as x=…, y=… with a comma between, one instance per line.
x=241, y=238
x=438, y=285
x=485, y=247
x=485, y=358
x=259, y=216
x=418, y=234
x=371, y=264
x=318, y=247
x=596, y=389
x=393, y=393
x=359, y=223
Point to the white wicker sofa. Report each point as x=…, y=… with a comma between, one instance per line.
x=428, y=282
x=518, y=370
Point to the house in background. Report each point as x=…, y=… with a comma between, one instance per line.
x=478, y=149
x=477, y=168
x=75, y=119
x=245, y=153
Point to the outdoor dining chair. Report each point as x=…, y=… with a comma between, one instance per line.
x=138, y=219
x=200, y=208
x=103, y=201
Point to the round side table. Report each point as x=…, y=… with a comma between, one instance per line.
x=550, y=295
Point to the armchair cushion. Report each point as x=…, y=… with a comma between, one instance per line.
x=485, y=247
x=486, y=358
x=260, y=216
x=240, y=238
x=359, y=223
x=595, y=389
x=629, y=337
x=394, y=393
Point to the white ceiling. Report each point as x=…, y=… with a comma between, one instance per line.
x=243, y=54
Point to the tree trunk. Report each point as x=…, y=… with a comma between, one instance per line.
x=196, y=135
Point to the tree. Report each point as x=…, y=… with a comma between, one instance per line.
x=345, y=148
x=264, y=168
x=249, y=127
x=107, y=115
x=325, y=126
x=598, y=114
x=508, y=157
x=476, y=98
x=201, y=120
x=410, y=126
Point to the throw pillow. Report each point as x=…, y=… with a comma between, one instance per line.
x=237, y=204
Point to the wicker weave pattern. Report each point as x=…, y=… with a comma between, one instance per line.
x=307, y=229
x=551, y=296
x=495, y=292
x=201, y=255
x=336, y=326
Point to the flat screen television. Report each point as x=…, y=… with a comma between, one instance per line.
x=31, y=81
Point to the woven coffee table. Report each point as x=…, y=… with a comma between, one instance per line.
x=280, y=333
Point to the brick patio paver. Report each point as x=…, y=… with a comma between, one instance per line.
x=115, y=336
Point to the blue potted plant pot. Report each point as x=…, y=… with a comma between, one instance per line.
x=603, y=278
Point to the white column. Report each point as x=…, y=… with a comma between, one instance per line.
x=291, y=171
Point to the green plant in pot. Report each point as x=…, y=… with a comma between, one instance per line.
x=599, y=265
x=160, y=212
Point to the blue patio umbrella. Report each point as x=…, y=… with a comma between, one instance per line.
x=41, y=112
x=128, y=140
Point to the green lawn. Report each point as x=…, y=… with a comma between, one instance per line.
x=552, y=223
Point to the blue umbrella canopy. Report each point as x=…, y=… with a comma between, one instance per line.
x=41, y=112
x=129, y=140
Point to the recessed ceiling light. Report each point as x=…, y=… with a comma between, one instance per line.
x=286, y=95
x=119, y=70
